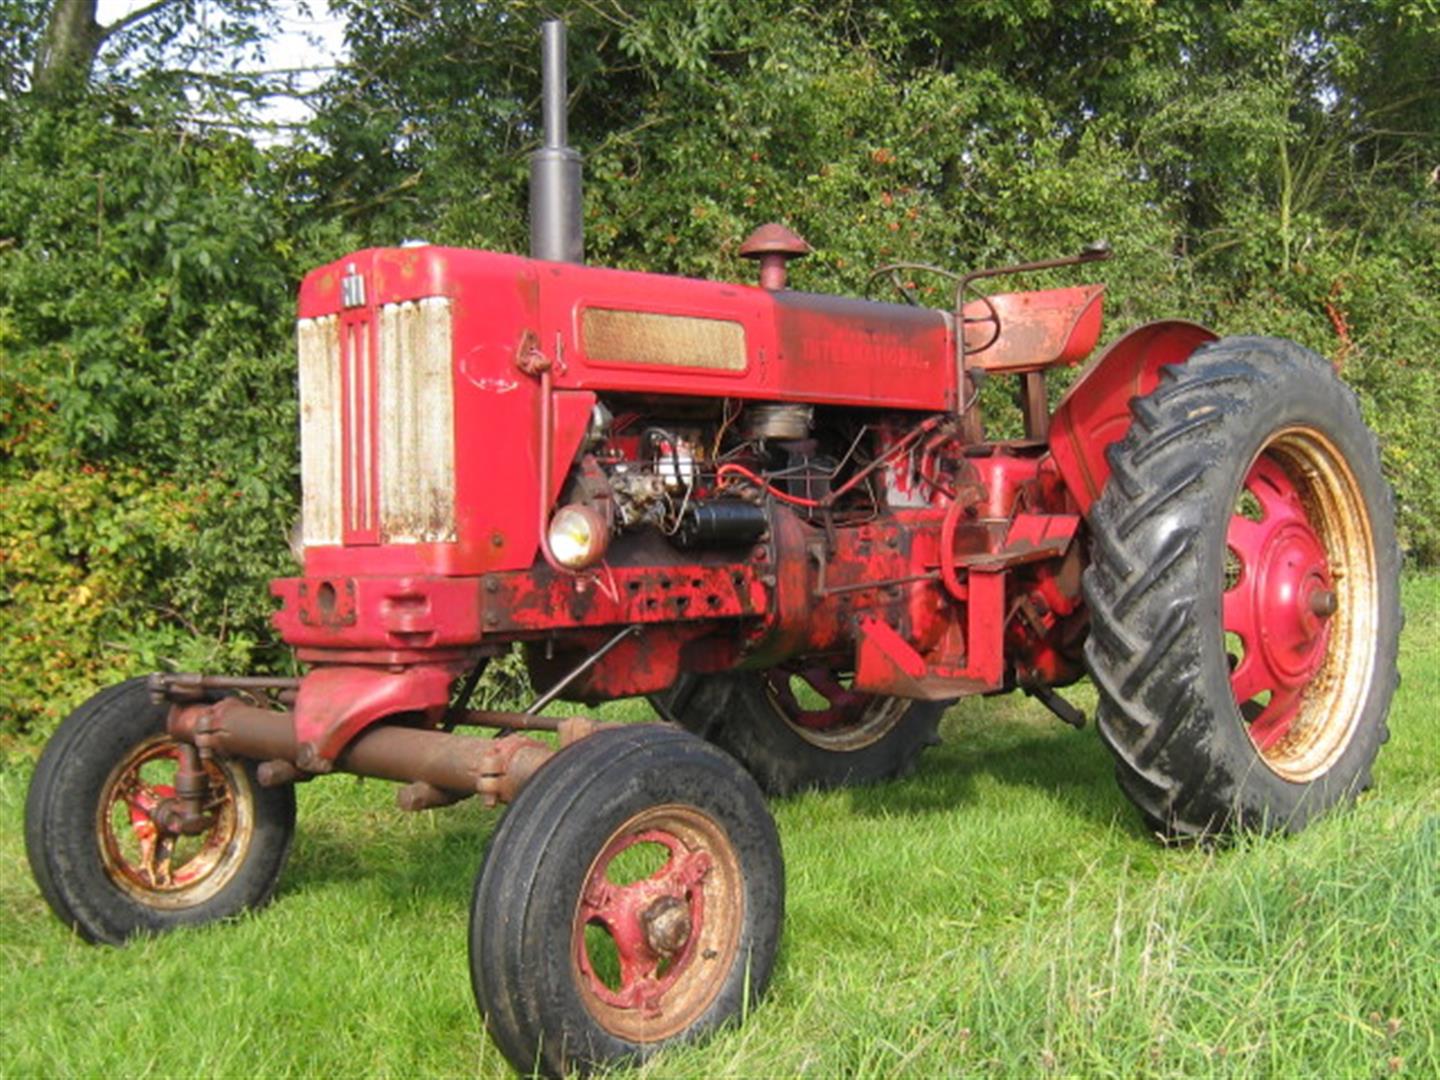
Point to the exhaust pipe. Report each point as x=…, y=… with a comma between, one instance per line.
x=556, y=231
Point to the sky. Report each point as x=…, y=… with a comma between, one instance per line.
x=304, y=41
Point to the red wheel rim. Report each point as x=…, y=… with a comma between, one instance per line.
x=815, y=701
x=1299, y=590
x=652, y=949
x=154, y=864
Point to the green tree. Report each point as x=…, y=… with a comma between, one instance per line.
x=1262, y=165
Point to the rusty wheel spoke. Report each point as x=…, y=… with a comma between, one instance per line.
x=1276, y=720
x=142, y=799
x=158, y=864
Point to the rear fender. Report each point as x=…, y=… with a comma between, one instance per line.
x=1095, y=412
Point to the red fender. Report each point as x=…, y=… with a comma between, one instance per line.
x=1095, y=411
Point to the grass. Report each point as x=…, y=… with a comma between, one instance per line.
x=1002, y=911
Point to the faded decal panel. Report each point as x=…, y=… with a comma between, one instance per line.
x=318, y=345
x=863, y=351
x=417, y=423
x=613, y=336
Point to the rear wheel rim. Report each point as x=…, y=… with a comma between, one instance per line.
x=651, y=950
x=155, y=865
x=817, y=703
x=1300, y=604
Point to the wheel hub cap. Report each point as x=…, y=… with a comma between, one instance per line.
x=1280, y=604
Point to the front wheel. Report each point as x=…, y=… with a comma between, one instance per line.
x=100, y=843
x=1244, y=593
x=801, y=726
x=631, y=898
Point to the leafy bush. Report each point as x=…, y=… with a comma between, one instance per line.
x=148, y=473
x=1264, y=166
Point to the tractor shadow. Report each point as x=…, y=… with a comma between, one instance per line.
x=987, y=751
x=433, y=854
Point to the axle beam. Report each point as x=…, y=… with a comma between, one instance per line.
x=452, y=767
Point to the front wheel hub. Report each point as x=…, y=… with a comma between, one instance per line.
x=667, y=925
x=659, y=914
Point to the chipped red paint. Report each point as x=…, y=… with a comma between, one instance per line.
x=966, y=582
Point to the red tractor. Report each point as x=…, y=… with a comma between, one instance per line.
x=777, y=514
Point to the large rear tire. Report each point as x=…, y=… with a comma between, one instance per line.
x=1244, y=593
x=802, y=728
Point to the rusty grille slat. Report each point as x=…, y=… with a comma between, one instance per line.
x=321, y=437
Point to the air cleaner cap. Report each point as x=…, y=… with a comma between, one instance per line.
x=774, y=245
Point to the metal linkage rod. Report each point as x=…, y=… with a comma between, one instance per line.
x=579, y=669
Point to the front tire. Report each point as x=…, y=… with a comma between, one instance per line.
x=800, y=727
x=631, y=899
x=1244, y=593
x=103, y=859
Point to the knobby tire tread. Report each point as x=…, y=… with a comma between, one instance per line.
x=1146, y=579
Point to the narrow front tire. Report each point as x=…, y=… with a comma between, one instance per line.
x=631, y=899
x=101, y=847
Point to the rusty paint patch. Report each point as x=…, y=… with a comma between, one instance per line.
x=416, y=423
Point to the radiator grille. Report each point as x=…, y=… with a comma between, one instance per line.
x=377, y=433
x=318, y=345
x=358, y=427
x=417, y=425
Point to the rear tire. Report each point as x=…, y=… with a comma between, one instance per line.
x=742, y=714
x=1244, y=593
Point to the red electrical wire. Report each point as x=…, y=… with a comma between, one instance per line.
x=739, y=470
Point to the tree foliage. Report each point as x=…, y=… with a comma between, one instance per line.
x=1263, y=166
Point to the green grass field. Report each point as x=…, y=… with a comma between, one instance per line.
x=1002, y=911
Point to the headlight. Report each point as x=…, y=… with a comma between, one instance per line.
x=578, y=536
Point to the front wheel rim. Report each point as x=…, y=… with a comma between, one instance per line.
x=1300, y=603
x=651, y=954
x=153, y=864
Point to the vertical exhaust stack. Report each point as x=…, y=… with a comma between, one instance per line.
x=556, y=232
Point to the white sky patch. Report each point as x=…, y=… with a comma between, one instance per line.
x=308, y=45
